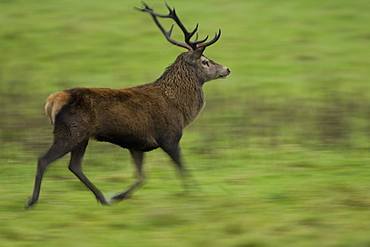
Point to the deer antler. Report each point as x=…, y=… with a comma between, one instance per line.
x=190, y=45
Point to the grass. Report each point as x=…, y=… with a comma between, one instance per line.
x=280, y=152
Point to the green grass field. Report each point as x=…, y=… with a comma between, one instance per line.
x=280, y=152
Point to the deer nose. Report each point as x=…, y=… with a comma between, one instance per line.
x=228, y=70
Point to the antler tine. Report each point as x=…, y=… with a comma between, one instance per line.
x=196, y=37
x=196, y=42
x=217, y=36
x=170, y=31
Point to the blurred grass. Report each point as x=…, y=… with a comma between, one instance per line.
x=281, y=150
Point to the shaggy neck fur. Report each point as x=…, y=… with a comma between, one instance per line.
x=182, y=72
x=182, y=85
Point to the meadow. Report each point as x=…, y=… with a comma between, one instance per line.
x=280, y=152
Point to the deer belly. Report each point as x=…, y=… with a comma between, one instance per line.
x=142, y=143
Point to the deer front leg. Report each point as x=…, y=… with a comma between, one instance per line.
x=174, y=152
x=137, y=157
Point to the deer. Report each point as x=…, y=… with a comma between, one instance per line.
x=140, y=118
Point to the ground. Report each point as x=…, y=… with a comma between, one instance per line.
x=280, y=151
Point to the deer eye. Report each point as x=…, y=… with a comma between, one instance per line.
x=205, y=62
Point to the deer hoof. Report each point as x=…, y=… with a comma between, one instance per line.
x=105, y=203
x=29, y=204
x=120, y=197
x=102, y=201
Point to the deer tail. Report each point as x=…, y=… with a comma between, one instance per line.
x=54, y=104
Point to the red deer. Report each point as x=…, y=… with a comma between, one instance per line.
x=140, y=119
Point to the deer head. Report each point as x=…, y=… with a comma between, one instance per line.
x=204, y=66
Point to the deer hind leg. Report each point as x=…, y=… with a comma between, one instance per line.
x=57, y=150
x=137, y=157
x=75, y=166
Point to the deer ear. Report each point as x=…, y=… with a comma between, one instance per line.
x=195, y=55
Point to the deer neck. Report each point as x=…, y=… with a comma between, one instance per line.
x=184, y=92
